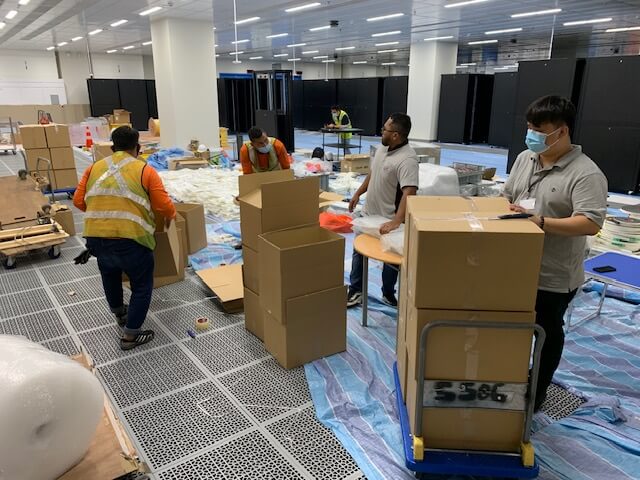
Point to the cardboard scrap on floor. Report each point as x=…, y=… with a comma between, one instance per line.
x=226, y=283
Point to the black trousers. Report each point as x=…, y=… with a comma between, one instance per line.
x=550, y=310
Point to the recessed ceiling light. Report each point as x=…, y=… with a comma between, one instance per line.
x=360, y=63
x=344, y=48
x=506, y=30
x=388, y=51
x=75, y=39
x=384, y=34
x=281, y=55
x=112, y=51
x=320, y=56
x=468, y=64
x=215, y=46
x=236, y=53
x=539, y=12
x=587, y=22
x=48, y=48
x=150, y=11
x=482, y=42
x=237, y=42
x=302, y=7
x=317, y=29
x=293, y=59
x=11, y=14
x=128, y=47
x=432, y=39
x=277, y=35
x=388, y=63
x=214, y=28
x=95, y=32
x=463, y=4
x=309, y=52
x=247, y=20
x=146, y=43
x=386, y=44
x=296, y=45
x=217, y=55
x=384, y=17
x=255, y=58
x=328, y=61
x=119, y=22
x=623, y=29
x=23, y=2
x=62, y=44
x=237, y=61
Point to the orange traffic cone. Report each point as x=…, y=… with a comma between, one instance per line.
x=88, y=141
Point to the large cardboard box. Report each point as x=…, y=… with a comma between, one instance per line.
x=33, y=136
x=253, y=314
x=226, y=283
x=277, y=206
x=31, y=156
x=62, y=158
x=66, y=179
x=355, y=164
x=298, y=262
x=316, y=328
x=121, y=116
x=161, y=281
x=102, y=150
x=181, y=225
x=459, y=259
x=251, y=269
x=64, y=216
x=190, y=163
x=477, y=354
x=193, y=214
x=167, y=252
x=465, y=428
x=401, y=331
x=403, y=365
x=57, y=135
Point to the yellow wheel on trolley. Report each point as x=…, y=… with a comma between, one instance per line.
x=527, y=454
x=418, y=449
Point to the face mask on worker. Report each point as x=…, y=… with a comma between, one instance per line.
x=537, y=141
x=265, y=149
x=335, y=116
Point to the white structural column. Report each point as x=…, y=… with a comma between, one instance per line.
x=428, y=61
x=186, y=85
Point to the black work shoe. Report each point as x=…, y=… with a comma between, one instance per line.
x=390, y=300
x=354, y=299
x=144, y=336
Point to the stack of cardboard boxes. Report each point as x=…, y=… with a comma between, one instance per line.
x=461, y=266
x=293, y=271
x=53, y=143
x=355, y=163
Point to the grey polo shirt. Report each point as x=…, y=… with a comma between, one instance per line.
x=572, y=186
x=388, y=171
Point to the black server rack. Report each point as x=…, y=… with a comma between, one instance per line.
x=394, y=96
x=503, y=109
x=360, y=98
x=133, y=97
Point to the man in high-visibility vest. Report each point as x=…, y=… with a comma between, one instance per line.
x=121, y=196
x=341, y=120
x=263, y=154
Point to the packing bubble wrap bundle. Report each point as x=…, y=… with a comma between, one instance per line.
x=436, y=180
x=393, y=242
x=50, y=407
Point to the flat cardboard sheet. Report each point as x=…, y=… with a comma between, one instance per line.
x=193, y=214
x=226, y=283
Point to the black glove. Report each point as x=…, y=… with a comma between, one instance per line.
x=82, y=258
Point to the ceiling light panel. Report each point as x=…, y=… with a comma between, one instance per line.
x=482, y=42
x=112, y=51
x=385, y=17
x=388, y=51
x=464, y=4
x=309, y=52
x=149, y=43
x=297, y=45
x=23, y=2
x=433, y=39
x=360, y=63
x=328, y=61
x=50, y=48
x=119, y=22
x=385, y=44
x=62, y=44
x=247, y=20
x=150, y=11
x=95, y=32
x=277, y=35
x=306, y=6
x=386, y=34
x=281, y=55
x=255, y=58
x=128, y=47
x=294, y=59
x=75, y=39
x=388, y=63
x=320, y=56
x=506, y=30
x=11, y=14
x=623, y=29
x=536, y=13
x=236, y=53
x=237, y=42
x=587, y=22
x=317, y=29
x=338, y=49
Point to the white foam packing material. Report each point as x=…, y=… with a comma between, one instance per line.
x=215, y=188
x=370, y=225
x=436, y=180
x=50, y=407
x=345, y=183
x=393, y=242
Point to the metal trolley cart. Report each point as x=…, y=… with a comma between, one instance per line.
x=7, y=135
x=38, y=174
x=342, y=144
x=515, y=397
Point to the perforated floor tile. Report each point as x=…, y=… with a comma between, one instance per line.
x=14, y=305
x=69, y=271
x=37, y=327
x=177, y=294
x=313, y=445
x=174, y=426
x=103, y=344
x=268, y=390
x=226, y=349
x=17, y=281
x=249, y=457
x=89, y=315
x=178, y=320
x=73, y=242
x=85, y=289
x=64, y=345
x=560, y=403
x=132, y=380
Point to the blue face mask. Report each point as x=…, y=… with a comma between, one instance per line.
x=265, y=149
x=536, y=141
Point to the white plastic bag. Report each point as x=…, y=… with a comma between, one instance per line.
x=369, y=224
x=394, y=241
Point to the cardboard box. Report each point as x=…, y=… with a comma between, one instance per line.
x=121, y=116
x=401, y=330
x=253, y=314
x=298, y=262
x=226, y=283
x=31, y=156
x=252, y=182
x=62, y=158
x=189, y=162
x=102, y=150
x=167, y=252
x=317, y=328
x=65, y=179
x=33, y=136
x=181, y=225
x=277, y=206
x=251, y=269
x=476, y=354
x=460, y=260
x=193, y=214
x=161, y=281
x=355, y=165
x=65, y=219
x=403, y=365
x=57, y=135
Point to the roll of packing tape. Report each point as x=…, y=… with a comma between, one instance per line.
x=202, y=323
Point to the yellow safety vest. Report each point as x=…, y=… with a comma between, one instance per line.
x=338, y=123
x=274, y=163
x=117, y=204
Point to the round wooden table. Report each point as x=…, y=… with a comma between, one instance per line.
x=370, y=247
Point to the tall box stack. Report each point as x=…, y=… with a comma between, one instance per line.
x=52, y=142
x=463, y=265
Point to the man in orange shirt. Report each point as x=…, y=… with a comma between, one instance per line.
x=263, y=154
x=121, y=196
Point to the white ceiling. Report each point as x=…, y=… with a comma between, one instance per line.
x=43, y=23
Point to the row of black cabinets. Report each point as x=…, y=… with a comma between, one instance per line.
x=136, y=96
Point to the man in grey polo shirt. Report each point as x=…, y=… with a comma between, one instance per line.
x=567, y=194
x=392, y=178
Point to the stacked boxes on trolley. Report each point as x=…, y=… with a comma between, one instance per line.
x=462, y=265
x=293, y=270
x=52, y=142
